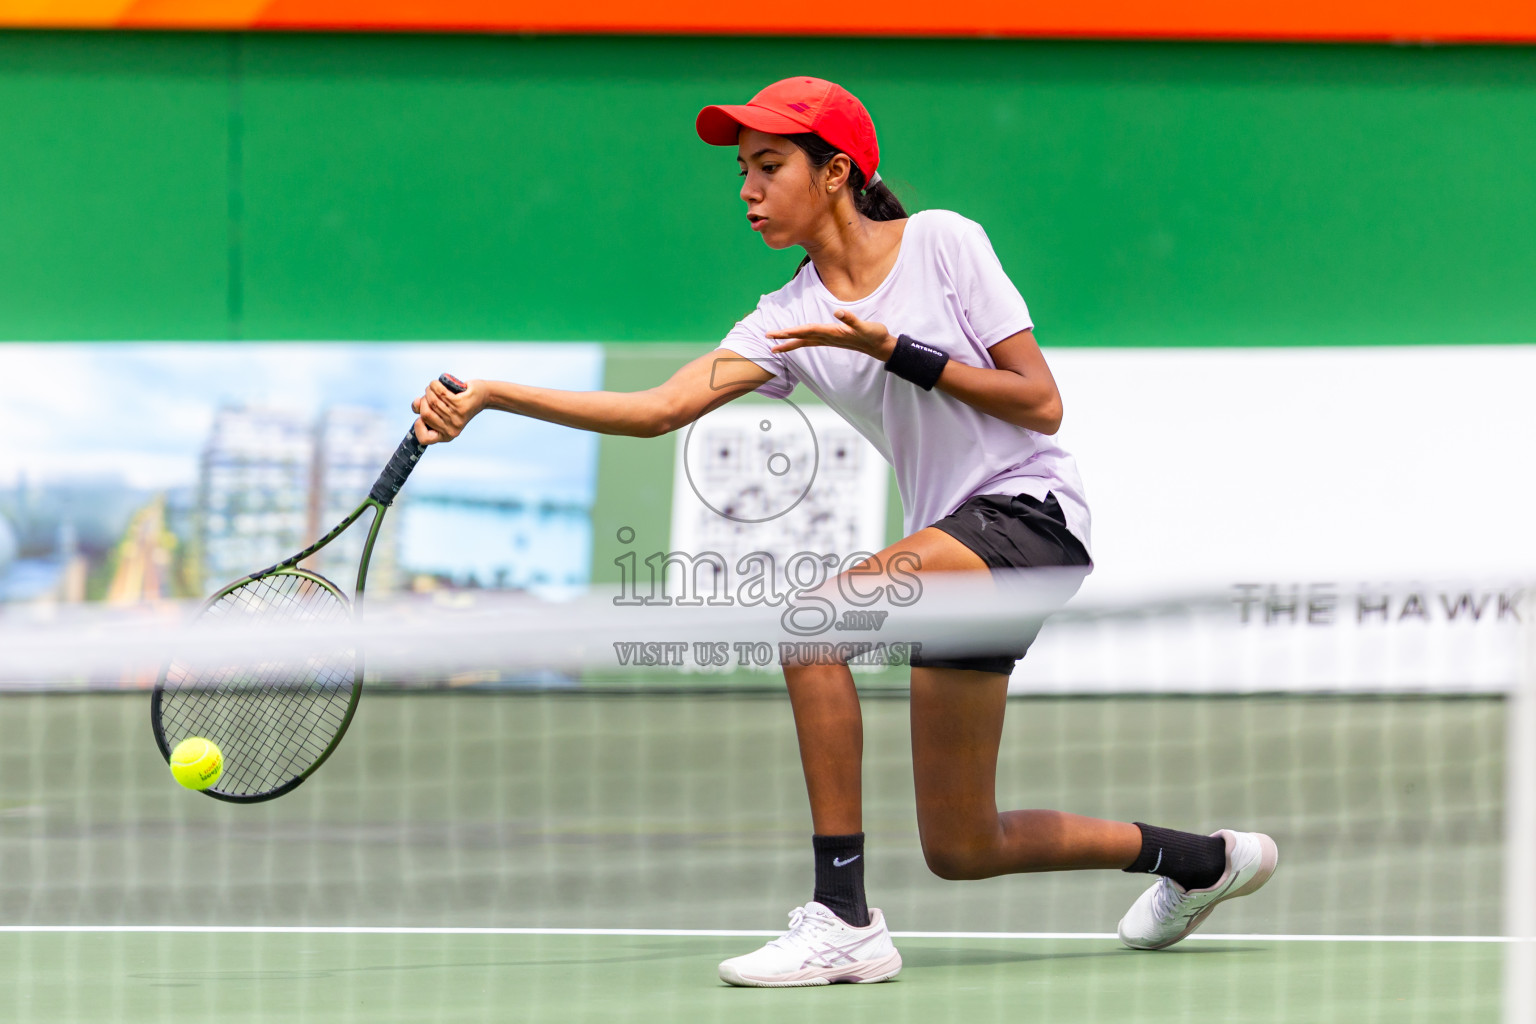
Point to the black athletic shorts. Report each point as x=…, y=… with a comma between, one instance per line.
x=1011, y=532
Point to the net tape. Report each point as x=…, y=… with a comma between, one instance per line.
x=1202, y=641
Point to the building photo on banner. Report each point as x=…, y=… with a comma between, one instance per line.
x=161, y=471
x=961, y=514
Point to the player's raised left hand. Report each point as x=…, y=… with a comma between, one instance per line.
x=443, y=414
x=873, y=339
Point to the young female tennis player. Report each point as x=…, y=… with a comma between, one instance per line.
x=910, y=329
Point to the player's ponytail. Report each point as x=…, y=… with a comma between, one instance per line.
x=877, y=201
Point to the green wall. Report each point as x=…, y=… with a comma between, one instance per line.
x=313, y=186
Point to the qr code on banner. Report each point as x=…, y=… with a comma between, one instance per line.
x=780, y=478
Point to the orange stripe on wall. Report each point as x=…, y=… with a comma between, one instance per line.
x=191, y=13
x=1474, y=20
x=63, y=13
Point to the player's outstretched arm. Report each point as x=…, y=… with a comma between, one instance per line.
x=704, y=384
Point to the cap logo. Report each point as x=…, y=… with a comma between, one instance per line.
x=799, y=108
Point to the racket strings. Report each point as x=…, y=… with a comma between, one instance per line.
x=277, y=701
x=270, y=724
x=272, y=719
x=272, y=709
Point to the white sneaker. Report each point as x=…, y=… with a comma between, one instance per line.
x=819, y=949
x=1167, y=912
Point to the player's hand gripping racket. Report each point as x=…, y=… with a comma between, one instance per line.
x=277, y=721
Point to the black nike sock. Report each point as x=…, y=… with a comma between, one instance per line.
x=1195, y=862
x=840, y=876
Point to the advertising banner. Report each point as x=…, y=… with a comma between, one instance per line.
x=1267, y=519
x=1356, y=519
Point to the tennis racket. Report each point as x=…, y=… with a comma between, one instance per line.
x=277, y=721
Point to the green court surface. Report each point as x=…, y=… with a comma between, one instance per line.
x=686, y=811
x=61, y=978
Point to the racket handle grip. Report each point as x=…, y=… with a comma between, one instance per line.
x=388, y=485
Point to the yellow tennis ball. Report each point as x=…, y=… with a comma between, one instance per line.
x=197, y=763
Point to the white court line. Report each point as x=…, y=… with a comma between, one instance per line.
x=217, y=929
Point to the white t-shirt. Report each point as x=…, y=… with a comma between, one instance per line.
x=947, y=289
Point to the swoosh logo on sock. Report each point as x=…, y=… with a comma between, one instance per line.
x=838, y=863
x=1159, y=863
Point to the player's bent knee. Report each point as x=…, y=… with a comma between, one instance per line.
x=958, y=862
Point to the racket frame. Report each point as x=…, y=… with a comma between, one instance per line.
x=290, y=567
x=379, y=499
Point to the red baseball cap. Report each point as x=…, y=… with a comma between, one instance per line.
x=798, y=105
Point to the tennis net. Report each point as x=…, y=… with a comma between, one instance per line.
x=612, y=802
